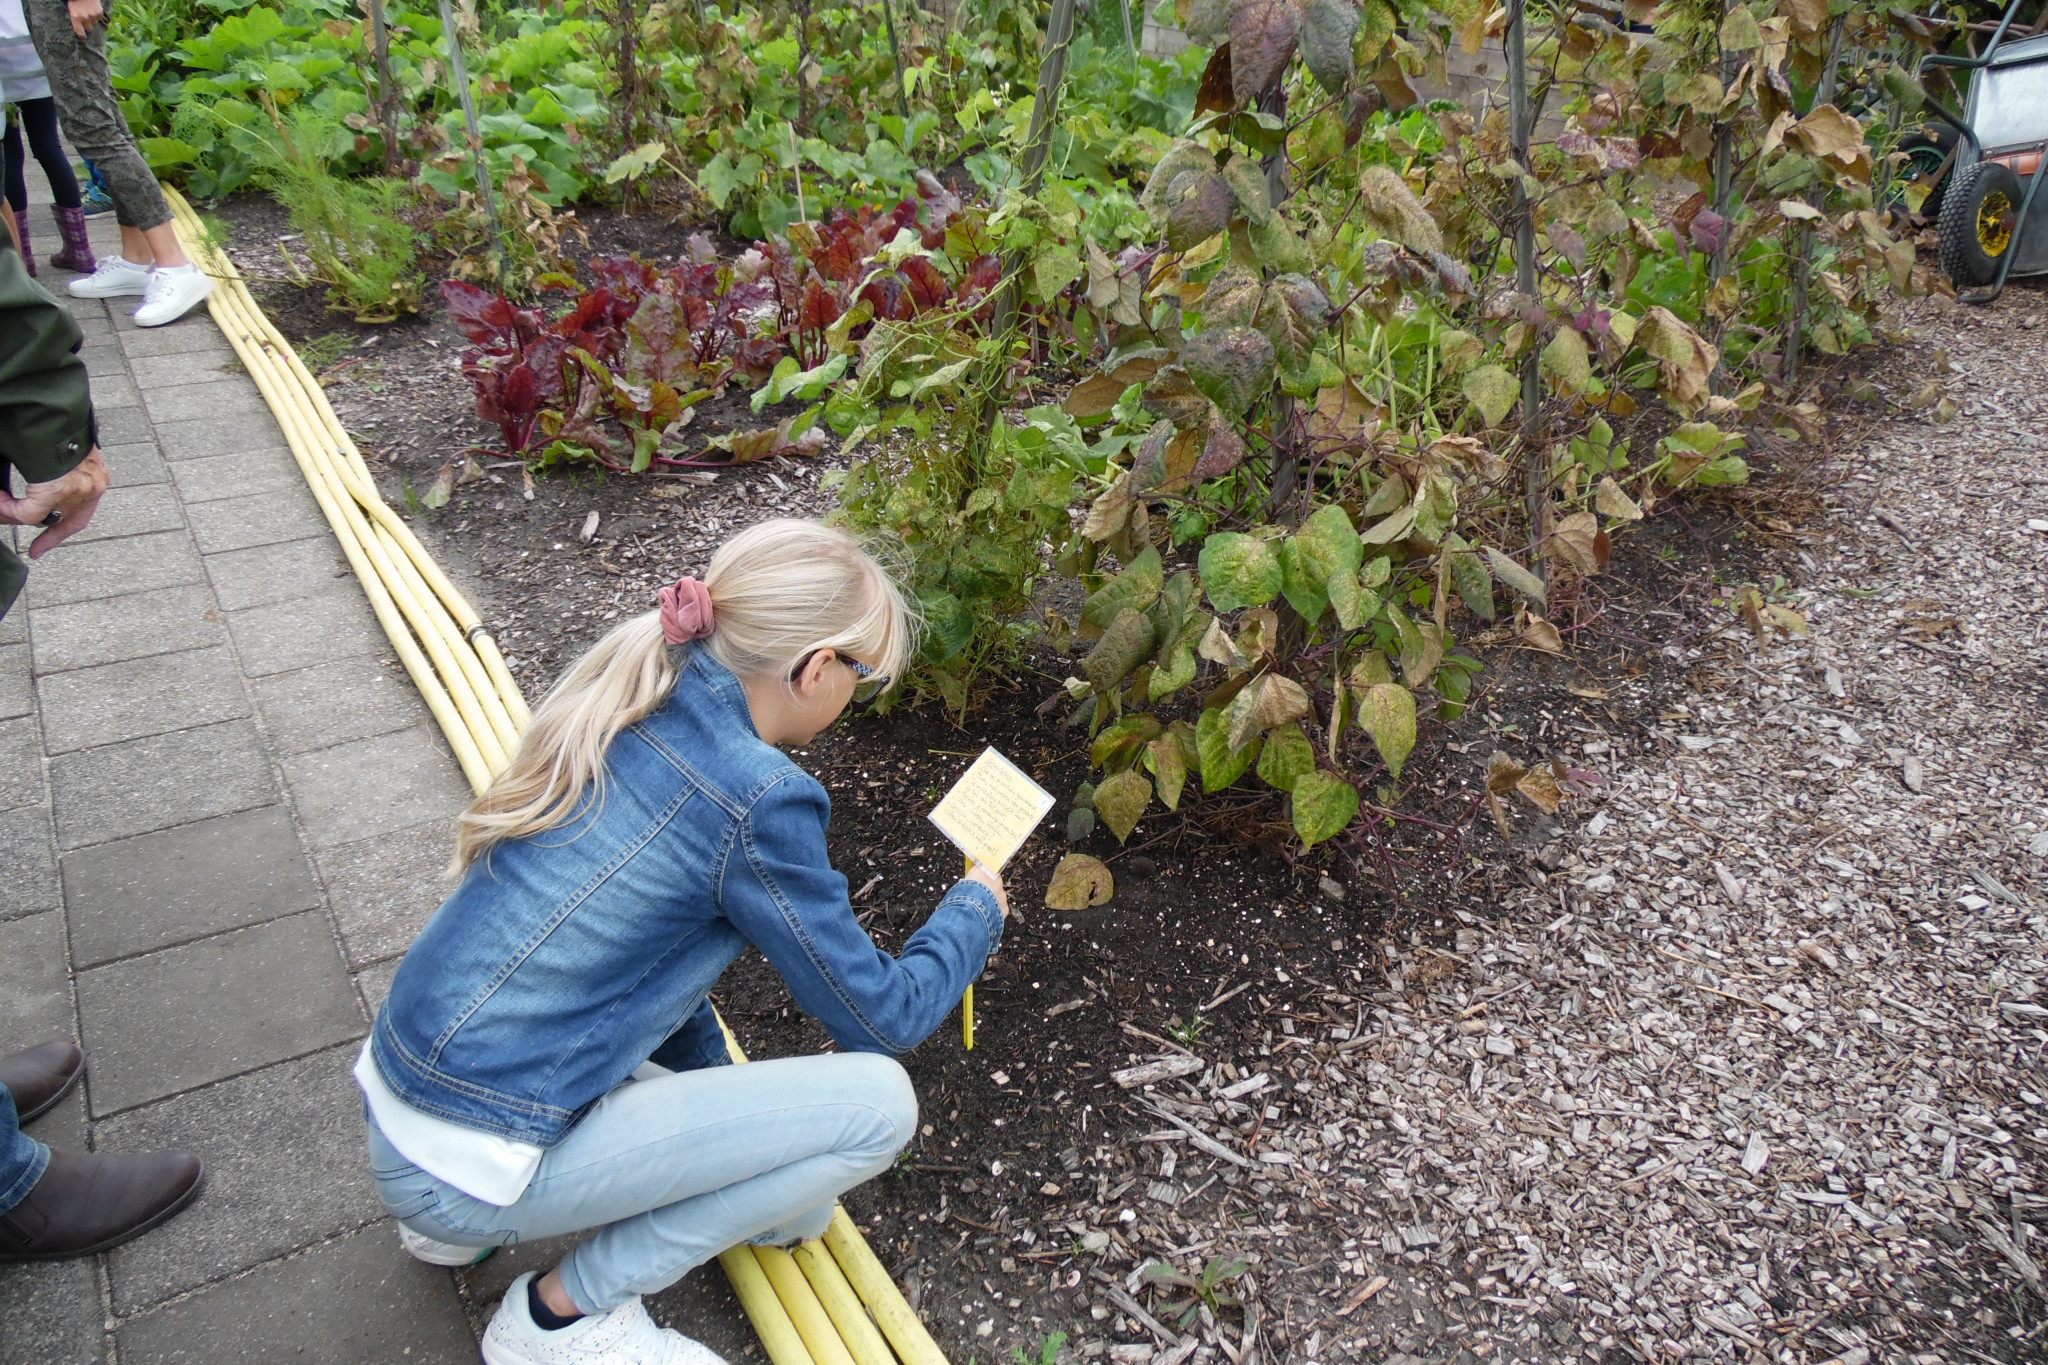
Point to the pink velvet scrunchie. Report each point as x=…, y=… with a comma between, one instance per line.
x=686, y=611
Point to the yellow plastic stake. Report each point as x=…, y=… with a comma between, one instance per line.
x=805, y=1309
x=967, y=1000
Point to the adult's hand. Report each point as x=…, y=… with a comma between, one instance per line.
x=85, y=14
x=994, y=882
x=74, y=497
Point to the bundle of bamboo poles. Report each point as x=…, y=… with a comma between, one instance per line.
x=829, y=1302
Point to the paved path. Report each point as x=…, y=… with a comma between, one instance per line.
x=223, y=814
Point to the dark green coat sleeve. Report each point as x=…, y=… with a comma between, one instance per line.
x=46, y=424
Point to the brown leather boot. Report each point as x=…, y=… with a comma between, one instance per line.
x=39, y=1077
x=76, y=253
x=85, y=1204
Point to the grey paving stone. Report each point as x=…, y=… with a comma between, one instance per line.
x=138, y=894
x=335, y=624
x=148, y=784
x=375, y=786
x=238, y=476
x=382, y=890
x=135, y=463
x=35, y=984
x=110, y=568
x=132, y=510
x=148, y=341
x=212, y=436
x=355, y=1299
x=205, y=402
x=110, y=629
x=17, y=689
x=286, y=1167
x=21, y=763
x=28, y=863
x=374, y=983
x=117, y=702
x=123, y=426
x=114, y=391
x=104, y=360
x=52, y=1312
x=171, y=1020
x=185, y=368
x=330, y=704
x=257, y=519
x=285, y=572
x=14, y=626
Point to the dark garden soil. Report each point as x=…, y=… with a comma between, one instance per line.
x=1215, y=942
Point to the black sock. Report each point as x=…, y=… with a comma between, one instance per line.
x=544, y=1317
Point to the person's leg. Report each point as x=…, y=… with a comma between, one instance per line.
x=39, y=119
x=22, y=1159
x=17, y=179
x=675, y=1170
x=84, y=94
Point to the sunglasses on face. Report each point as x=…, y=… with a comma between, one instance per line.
x=867, y=684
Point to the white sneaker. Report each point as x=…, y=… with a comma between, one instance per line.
x=439, y=1253
x=117, y=276
x=171, y=294
x=624, y=1336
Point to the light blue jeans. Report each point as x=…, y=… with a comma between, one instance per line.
x=674, y=1170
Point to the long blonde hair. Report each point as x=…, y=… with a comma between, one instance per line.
x=779, y=590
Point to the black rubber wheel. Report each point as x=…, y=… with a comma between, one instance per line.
x=1925, y=155
x=1979, y=218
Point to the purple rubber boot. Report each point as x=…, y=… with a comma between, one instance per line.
x=28, y=255
x=77, y=250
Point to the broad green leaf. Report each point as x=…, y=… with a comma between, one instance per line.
x=1286, y=757
x=635, y=163
x=948, y=625
x=1494, y=391
x=1198, y=207
x=1221, y=764
x=1528, y=584
x=1239, y=571
x=1371, y=669
x=1299, y=583
x=1125, y=643
x=1565, y=360
x=1267, y=702
x=1293, y=315
x=1169, y=765
x=1739, y=31
x=1173, y=395
x=1175, y=669
x=1248, y=186
x=1078, y=883
x=1324, y=804
x=1458, y=349
x=1390, y=529
x=1232, y=365
x=1181, y=157
x=1119, y=742
x=1328, y=30
x=1354, y=603
x=1468, y=573
x=1376, y=26
x=1053, y=269
x=1386, y=711
x=1137, y=587
x=1121, y=801
x=1330, y=544
x=1262, y=38
x=1232, y=298
x=1279, y=247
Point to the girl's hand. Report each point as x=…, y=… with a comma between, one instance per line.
x=994, y=882
x=84, y=15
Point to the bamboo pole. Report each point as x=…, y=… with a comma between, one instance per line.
x=1536, y=459
x=458, y=71
x=387, y=102
x=896, y=54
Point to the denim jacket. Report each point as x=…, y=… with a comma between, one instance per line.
x=566, y=959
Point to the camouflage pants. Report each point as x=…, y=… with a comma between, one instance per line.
x=77, y=69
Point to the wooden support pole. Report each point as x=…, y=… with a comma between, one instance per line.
x=458, y=72
x=387, y=93
x=1536, y=457
x=1802, y=270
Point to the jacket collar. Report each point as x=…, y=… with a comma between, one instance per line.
x=715, y=678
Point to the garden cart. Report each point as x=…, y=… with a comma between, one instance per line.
x=1990, y=223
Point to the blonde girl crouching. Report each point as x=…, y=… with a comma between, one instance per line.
x=647, y=831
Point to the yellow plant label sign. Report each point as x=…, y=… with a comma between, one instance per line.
x=992, y=810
